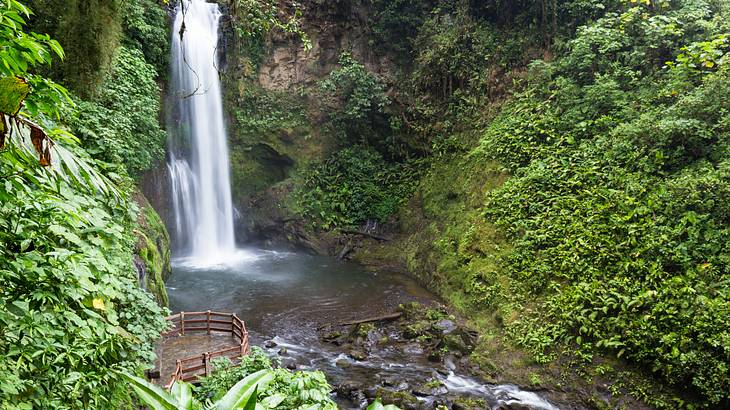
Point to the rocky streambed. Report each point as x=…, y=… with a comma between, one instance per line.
x=372, y=335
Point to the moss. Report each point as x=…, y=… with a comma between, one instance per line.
x=150, y=255
x=89, y=31
x=153, y=249
x=401, y=399
x=469, y=403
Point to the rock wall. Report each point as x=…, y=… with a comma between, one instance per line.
x=332, y=27
x=274, y=119
x=152, y=252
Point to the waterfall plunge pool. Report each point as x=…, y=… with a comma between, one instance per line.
x=285, y=296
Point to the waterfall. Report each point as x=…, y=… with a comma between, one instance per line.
x=198, y=152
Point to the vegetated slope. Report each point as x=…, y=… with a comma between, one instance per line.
x=71, y=305
x=589, y=212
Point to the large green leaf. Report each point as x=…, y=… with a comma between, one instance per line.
x=377, y=405
x=13, y=91
x=152, y=395
x=183, y=393
x=243, y=393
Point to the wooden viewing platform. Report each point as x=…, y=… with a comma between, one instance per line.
x=196, y=338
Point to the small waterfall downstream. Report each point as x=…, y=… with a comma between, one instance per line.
x=198, y=154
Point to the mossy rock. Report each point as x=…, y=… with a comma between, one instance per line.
x=416, y=329
x=402, y=399
x=153, y=251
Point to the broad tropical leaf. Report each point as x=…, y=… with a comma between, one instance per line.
x=244, y=392
x=151, y=394
x=183, y=393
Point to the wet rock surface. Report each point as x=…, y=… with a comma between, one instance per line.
x=429, y=336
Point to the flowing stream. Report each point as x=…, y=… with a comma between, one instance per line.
x=285, y=296
x=282, y=296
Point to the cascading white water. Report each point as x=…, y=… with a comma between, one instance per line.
x=201, y=192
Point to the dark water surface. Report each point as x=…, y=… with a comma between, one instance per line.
x=285, y=296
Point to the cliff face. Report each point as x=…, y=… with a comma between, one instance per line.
x=152, y=252
x=332, y=27
x=274, y=113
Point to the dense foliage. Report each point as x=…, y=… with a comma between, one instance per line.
x=242, y=395
x=618, y=204
x=120, y=125
x=355, y=103
x=611, y=232
x=70, y=305
x=286, y=390
x=588, y=209
x=353, y=186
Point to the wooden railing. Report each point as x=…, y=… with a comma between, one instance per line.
x=190, y=368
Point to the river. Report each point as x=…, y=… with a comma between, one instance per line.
x=285, y=296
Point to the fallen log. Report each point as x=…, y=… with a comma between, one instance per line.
x=371, y=235
x=390, y=316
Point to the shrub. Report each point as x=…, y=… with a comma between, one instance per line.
x=287, y=390
x=121, y=125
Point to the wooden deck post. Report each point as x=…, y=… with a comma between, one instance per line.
x=208, y=323
x=206, y=362
x=182, y=323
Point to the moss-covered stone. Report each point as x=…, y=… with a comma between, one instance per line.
x=89, y=30
x=152, y=251
x=402, y=399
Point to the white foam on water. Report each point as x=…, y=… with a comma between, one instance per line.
x=503, y=393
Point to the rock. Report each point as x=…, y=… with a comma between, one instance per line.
x=432, y=388
x=402, y=399
x=442, y=371
x=289, y=363
x=467, y=403
x=331, y=336
x=513, y=406
x=342, y=364
x=283, y=351
x=435, y=356
x=346, y=388
x=446, y=326
x=413, y=349
x=358, y=355
x=456, y=343
x=396, y=383
x=270, y=344
x=413, y=330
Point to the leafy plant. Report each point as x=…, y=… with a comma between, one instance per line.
x=70, y=307
x=353, y=186
x=377, y=405
x=286, y=390
x=120, y=125
x=243, y=395
x=356, y=103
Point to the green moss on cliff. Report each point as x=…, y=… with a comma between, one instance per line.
x=89, y=31
x=270, y=135
x=153, y=251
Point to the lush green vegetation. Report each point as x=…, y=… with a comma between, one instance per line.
x=71, y=309
x=617, y=208
x=127, y=104
x=355, y=103
x=243, y=395
x=353, y=186
x=579, y=200
x=285, y=389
